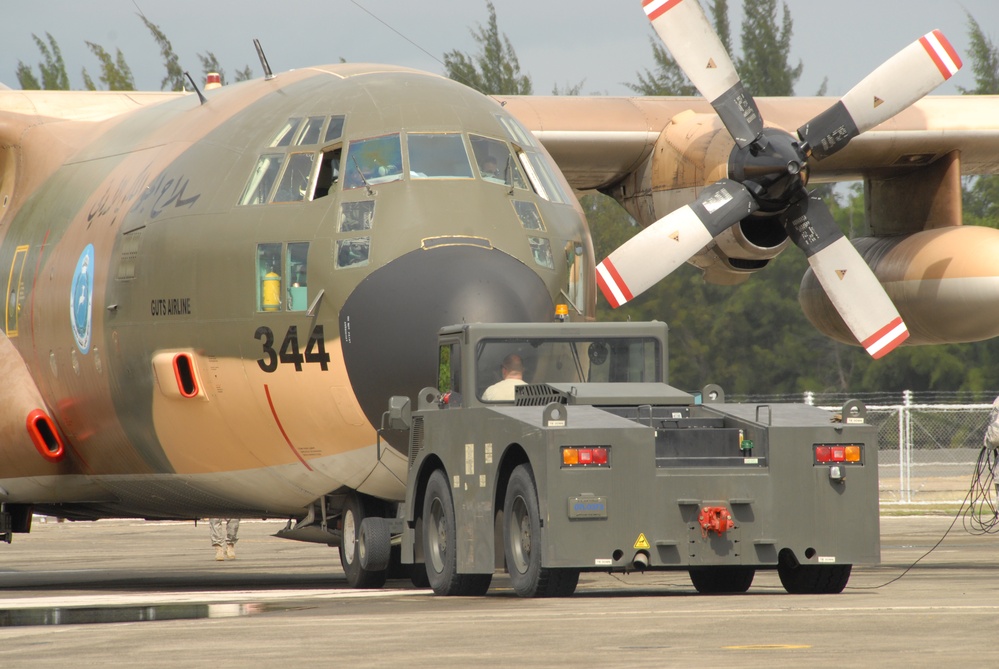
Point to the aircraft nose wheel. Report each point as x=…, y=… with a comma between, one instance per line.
x=355, y=511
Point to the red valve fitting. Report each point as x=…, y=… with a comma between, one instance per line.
x=715, y=519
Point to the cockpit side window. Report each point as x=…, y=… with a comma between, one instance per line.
x=310, y=133
x=295, y=180
x=301, y=164
x=539, y=170
x=334, y=130
x=373, y=161
x=264, y=176
x=287, y=133
x=438, y=156
x=496, y=162
x=329, y=172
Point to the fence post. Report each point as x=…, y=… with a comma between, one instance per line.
x=905, y=436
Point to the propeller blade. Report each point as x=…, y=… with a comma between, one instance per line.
x=900, y=81
x=693, y=43
x=849, y=282
x=659, y=249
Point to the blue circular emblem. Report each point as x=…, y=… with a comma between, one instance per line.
x=81, y=299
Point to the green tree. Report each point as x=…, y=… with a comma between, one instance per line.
x=245, y=74
x=495, y=70
x=115, y=73
x=764, y=65
x=981, y=193
x=52, y=68
x=174, y=79
x=984, y=61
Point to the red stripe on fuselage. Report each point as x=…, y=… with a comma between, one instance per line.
x=267, y=391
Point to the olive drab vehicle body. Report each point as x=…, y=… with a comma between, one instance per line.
x=597, y=464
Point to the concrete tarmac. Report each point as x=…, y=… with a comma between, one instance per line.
x=285, y=604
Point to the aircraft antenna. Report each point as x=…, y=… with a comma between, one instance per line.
x=263, y=59
x=197, y=90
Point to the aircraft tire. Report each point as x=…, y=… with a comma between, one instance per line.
x=722, y=580
x=522, y=542
x=811, y=579
x=440, y=546
x=354, y=513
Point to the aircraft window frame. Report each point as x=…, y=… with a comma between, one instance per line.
x=298, y=137
x=291, y=180
x=287, y=134
x=544, y=170
x=532, y=176
x=269, y=262
x=529, y=215
x=335, y=125
x=379, y=167
x=352, y=252
x=516, y=131
x=483, y=149
x=330, y=157
x=268, y=166
x=312, y=124
x=356, y=216
x=422, y=157
x=297, y=273
x=541, y=251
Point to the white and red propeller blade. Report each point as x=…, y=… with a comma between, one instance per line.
x=900, y=81
x=655, y=252
x=693, y=43
x=847, y=280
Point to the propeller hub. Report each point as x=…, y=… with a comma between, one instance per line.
x=775, y=164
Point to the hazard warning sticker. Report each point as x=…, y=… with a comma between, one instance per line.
x=641, y=541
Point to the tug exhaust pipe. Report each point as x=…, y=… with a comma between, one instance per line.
x=641, y=561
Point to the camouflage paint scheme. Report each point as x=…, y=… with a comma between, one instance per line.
x=139, y=193
x=145, y=205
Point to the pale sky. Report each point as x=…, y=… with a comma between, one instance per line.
x=604, y=42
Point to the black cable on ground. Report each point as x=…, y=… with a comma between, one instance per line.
x=977, y=520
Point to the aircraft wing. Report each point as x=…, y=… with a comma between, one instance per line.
x=76, y=105
x=599, y=141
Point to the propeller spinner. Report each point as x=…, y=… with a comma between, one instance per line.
x=768, y=172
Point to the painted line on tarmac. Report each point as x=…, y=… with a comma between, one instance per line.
x=201, y=597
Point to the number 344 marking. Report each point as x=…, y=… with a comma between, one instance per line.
x=290, y=353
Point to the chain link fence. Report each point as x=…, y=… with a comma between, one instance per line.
x=928, y=444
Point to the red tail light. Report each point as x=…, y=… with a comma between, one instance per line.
x=585, y=456
x=830, y=453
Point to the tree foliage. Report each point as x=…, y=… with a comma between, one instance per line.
x=984, y=61
x=115, y=73
x=495, y=70
x=174, y=79
x=764, y=65
x=53, y=75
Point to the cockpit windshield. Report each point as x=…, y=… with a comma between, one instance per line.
x=501, y=364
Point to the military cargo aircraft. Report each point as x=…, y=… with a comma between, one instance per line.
x=210, y=298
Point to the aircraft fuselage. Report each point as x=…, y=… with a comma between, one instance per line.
x=215, y=301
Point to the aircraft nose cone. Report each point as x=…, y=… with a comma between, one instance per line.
x=389, y=324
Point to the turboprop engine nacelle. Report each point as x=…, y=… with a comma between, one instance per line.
x=694, y=150
x=944, y=283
